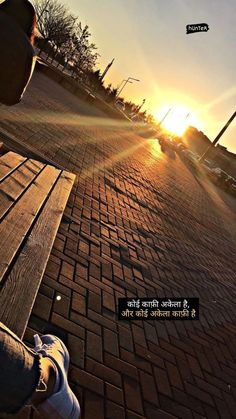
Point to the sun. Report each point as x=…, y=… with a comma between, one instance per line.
x=176, y=119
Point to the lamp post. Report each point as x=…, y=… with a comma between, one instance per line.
x=126, y=81
x=140, y=106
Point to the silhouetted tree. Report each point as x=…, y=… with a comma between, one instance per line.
x=55, y=23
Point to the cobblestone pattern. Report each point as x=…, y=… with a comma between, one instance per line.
x=137, y=224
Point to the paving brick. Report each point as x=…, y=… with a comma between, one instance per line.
x=135, y=360
x=70, y=285
x=230, y=402
x=222, y=408
x=86, y=323
x=203, y=361
x=161, y=353
x=188, y=401
x=61, y=305
x=150, y=333
x=197, y=416
x=114, y=394
x=120, y=366
x=76, y=350
x=156, y=413
x=47, y=291
x=172, y=349
x=68, y=325
x=87, y=380
x=211, y=413
x=148, y=387
x=194, y=366
x=43, y=306
x=149, y=356
x=81, y=271
x=108, y=301
x=174, y=408
x=114, y=411
x=102, y=321
x=162, y=382
x=101, y=371
x=79, y=303
x=94, y=302
x=208, y=388
x=67, y=270
x=138, y=335
x=132, y=395
x=126, y=338
x=93, y=406
x=174, y=375
x=110, y=340
x=186, y=372
x=132, y=415
x=94, y=347
x=52, y=269
x=56, y=286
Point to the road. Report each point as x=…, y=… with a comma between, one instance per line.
x=137, y=224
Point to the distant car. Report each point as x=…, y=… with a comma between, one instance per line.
x=190, y=157
x=219, y=177
x=207, y=166
x=230, y=184
x=120, y=105
x=209, y=163
x=180, y=147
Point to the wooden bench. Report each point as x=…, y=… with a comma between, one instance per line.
x=33, y=197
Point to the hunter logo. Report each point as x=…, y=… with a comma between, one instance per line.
x=200, y=27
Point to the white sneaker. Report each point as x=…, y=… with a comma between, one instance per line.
x=62, y=404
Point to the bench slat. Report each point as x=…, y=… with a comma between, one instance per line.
x=24, y=279
x=14, y=185
x=17, y=223
x=9, y=162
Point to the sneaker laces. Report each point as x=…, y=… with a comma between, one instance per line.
x=40, y=347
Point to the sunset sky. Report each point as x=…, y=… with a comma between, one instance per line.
x=149, y=42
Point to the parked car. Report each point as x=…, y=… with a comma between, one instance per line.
x=207, y=166
x=120, y=105
x=230, y=184
x=190, y=157
x=219, y=176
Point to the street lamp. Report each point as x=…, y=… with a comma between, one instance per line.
x=126, y=81
x=121, y=84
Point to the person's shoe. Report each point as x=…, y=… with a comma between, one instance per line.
x=62, y=404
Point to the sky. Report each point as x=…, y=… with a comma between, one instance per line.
x=149, y=42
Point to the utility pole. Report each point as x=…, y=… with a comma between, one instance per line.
x=205, y=154
x=163, y=119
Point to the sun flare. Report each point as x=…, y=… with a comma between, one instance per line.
x=176, y=119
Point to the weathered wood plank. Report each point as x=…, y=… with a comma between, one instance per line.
x=18, y=221
x=9, y=162
x=14, y=185
x=20, y=288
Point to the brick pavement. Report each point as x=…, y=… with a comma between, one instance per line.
x=137, y=224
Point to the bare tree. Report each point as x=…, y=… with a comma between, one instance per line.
x=65, y=37
x=79, y=52
x=55, y=23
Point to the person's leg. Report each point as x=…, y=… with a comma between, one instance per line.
x=19, y=371
x=36, y=377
